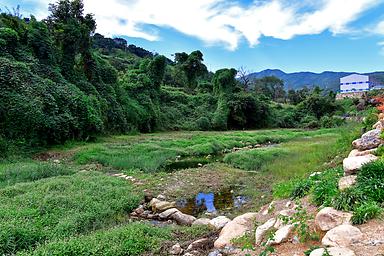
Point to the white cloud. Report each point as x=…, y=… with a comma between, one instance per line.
x=226, y=22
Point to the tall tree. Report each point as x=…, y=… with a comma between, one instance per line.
x=72, y=31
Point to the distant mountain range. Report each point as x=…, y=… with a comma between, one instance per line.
x=327, y=80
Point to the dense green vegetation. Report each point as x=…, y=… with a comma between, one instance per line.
x=60, y=82
x=60, y=207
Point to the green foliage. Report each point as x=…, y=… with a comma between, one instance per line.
x=11, y=174
x=326, y=187
x=55, y=208
x=348, y=199
x=370, y=180
x=366, y=211
x=302, y=188
x=331, y=121
x=370, y=118
x=131, y=239
x=309, y=122
x=300, y=220
x=253, y=159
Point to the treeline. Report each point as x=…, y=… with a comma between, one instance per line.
x=59, y=81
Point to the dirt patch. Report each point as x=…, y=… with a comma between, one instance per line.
x=54, y=155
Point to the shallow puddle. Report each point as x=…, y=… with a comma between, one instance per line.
x=211, y=202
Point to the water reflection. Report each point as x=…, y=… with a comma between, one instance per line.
x=211, y=202
x=206, y=200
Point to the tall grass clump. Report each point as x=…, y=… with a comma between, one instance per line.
x=13, y=173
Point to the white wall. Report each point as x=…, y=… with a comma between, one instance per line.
x=354, y=83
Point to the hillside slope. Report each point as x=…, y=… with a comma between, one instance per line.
x=326, y=80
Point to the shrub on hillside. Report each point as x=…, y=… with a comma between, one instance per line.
x=365, y=212
x=309, y=122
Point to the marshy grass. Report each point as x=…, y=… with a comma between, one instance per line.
x=60, y=207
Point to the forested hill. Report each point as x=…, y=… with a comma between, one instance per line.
x=327, y=80
x=60, y=81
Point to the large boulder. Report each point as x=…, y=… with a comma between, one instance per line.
x=328, y=218
x=219, y=222
x=183, y=219
x=333, y=251
x=342, y=236
x=378, y=125
x=347, y=182
x=168, y=213
x=201, y=244
x=160, y=206
x=356, y=152
x=201, y=222
x=238, y=227
x=263, y=229
x=352, y=164
x=281, y=235
x=368, y=140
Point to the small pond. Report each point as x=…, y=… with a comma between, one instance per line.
x=211, y=202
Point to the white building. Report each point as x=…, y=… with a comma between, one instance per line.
x=355, y=83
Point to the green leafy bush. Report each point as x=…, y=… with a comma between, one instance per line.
x=326, y=187
x=309, y=122
x=302, y=188
x=348, y=199
x=370, y=179
x=365, y=212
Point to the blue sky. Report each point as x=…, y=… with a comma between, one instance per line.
x=306, y=35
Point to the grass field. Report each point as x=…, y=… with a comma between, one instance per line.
x=73, y=207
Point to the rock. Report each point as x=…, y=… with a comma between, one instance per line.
x=139, y=210
x=263, y=229
x=183, y=219
x=176, y=249
x=342, y=236
x=234, y=229
x=378, y=125
x=328, y=218
x=161, y=197
x=160, y=206
x=284, y=213
x=333, y=251
x=219, y=222
x=148, y=196
x=352, y=164
x=215, y=253
x=281, y=235
x=201, y=244
x=368, y=140
x=356, y=152
x=167, y=214
x=347, y=182
x=269, y=209
x=201, y=221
